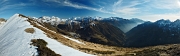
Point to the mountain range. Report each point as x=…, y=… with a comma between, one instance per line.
x=154, y=33
x=88, y=36
x=106, y=31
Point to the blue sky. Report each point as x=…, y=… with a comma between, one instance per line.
x=144, y=9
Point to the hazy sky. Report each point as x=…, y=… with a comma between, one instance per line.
x=144, y=9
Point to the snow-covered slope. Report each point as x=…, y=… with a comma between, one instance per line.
x=16, y=42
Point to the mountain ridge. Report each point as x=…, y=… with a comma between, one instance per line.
x=157, y=33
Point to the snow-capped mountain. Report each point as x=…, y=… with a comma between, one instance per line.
x=157, y=33
x=52, y=20
x=124, y=24
x=15, y=41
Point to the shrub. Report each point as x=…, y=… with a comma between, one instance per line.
x=149, y=52
x=42, y=49
x=2, y=19
x=30, y=30
x=98, y=51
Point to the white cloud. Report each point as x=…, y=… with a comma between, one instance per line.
x=148, y=9
x=133, y=3
x=116, y=8
x=165, y=4
x=119, y=2
x=170, y=10
x=77, y=6
x=12, y=6
x=67, y=3
x=3, y=1
x=6, y=4
x=123, y=8
x=126, y=9
x=155, y=17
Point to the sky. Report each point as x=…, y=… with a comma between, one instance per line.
x=149, y=10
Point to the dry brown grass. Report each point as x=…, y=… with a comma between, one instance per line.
x=97, y=51
x=29, y=30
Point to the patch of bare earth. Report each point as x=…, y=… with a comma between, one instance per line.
x=29, y=30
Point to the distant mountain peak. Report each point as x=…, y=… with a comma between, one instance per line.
x=154, y=33
x=163, y=20
x=178, y=20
